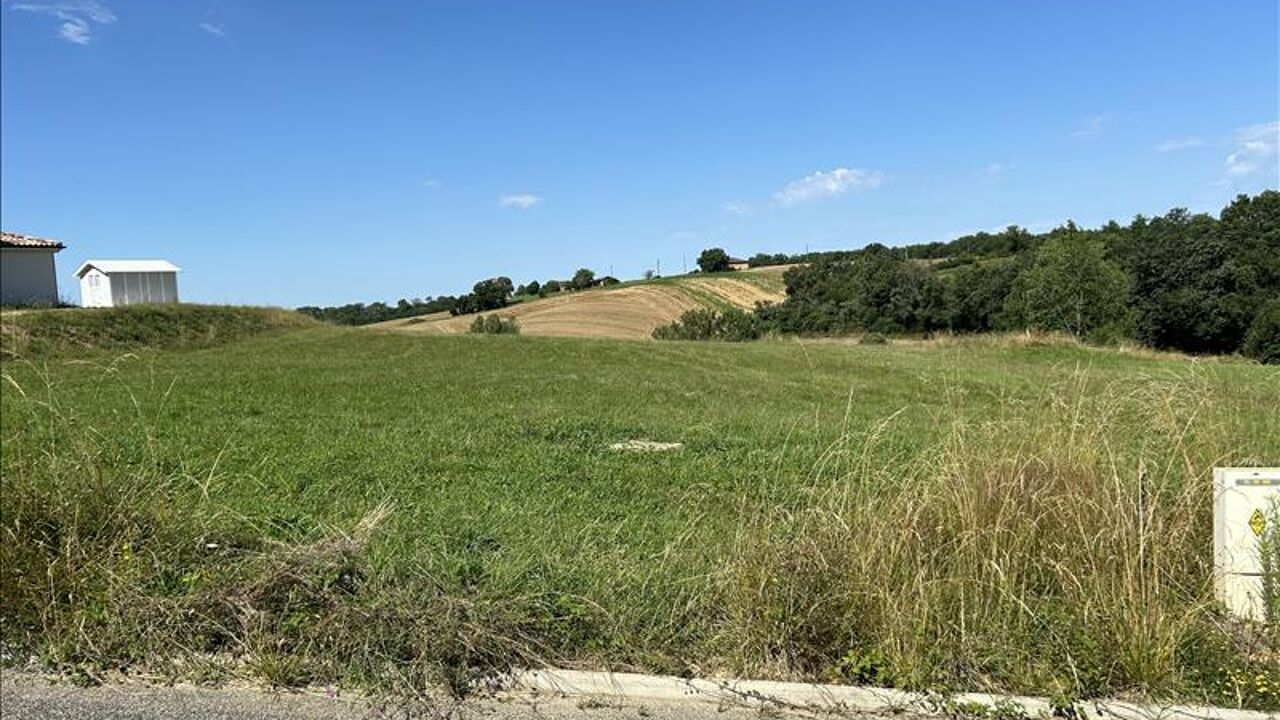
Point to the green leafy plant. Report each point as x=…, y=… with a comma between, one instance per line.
x=731, y=325
x=1269, y=553
x=494, y=325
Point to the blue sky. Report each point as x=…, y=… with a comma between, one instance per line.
x=326, y=152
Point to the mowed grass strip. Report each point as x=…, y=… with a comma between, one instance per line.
x=385, y=509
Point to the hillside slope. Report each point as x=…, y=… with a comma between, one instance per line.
x=72, y=331
x=629, y=311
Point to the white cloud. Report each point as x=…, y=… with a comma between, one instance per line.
x=75, y=31
x=1091, y=126
x=826, y=184
x=1255, y=153
x=214, y=28
x=996, y=169
x=1176, y=144
x=78, y=18
x=431, y=183
x=522, y=201
x=737, y=207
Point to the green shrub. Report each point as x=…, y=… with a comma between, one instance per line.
x=873, y=339
x=1262, y=343
x=732, y=325
x=494, y=325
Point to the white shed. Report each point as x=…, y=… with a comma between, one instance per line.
x=112, y=283
x=27, y=272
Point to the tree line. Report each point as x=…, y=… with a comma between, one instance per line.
x=1182, y=281
x=362, y=314
x=486, y=295
x=497, y=293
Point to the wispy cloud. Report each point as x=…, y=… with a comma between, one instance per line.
x=78, y=18
x=431, y=183
x=217, y=29
x=1091, y=126
x=996, y=169
x=523, y=201
x=1176, y=144
x=826, y=184
x=1256, y=153
x=818, y=185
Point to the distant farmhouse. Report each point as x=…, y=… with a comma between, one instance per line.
x=738, y=264
x=112, y=283
x=28, y=275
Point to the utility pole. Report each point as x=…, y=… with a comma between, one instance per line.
x=684, y=263
x=659, y=272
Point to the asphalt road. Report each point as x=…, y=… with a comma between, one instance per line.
x=27, y=697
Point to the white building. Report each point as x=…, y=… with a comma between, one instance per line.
x=28, y=275
x=112, y=283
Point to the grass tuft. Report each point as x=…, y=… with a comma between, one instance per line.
x=1034, y=551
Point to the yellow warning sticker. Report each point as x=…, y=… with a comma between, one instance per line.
x=1257, y=522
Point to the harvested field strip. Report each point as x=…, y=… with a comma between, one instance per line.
x=629, y=312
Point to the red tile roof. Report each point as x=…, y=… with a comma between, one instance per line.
x=9, y=239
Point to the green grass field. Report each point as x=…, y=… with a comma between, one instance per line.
x=330, y=505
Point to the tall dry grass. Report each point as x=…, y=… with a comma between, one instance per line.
x=1027, y=552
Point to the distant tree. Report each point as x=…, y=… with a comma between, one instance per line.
x=871, y=290
x=975, y=294
x=648, y=275
x=485, y=295
x=713, y=260
x=582, y=279
x=361, y=314
x=533, y=288
x=552, y=286
x=765, y=259
x=1199, y=282
x=1262, y=342
x=1070, y=287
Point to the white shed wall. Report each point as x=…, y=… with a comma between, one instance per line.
x=27, y=277
x=95, y=289
x=133, y=288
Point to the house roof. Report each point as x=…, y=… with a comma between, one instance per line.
x=122, y=266
x=12, y=239
x=735, y=260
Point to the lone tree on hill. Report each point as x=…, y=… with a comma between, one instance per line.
x=713, y=260
x=582, y=279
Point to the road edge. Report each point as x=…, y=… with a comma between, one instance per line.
x=634, y=686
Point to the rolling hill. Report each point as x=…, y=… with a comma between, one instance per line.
x=627, y=311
